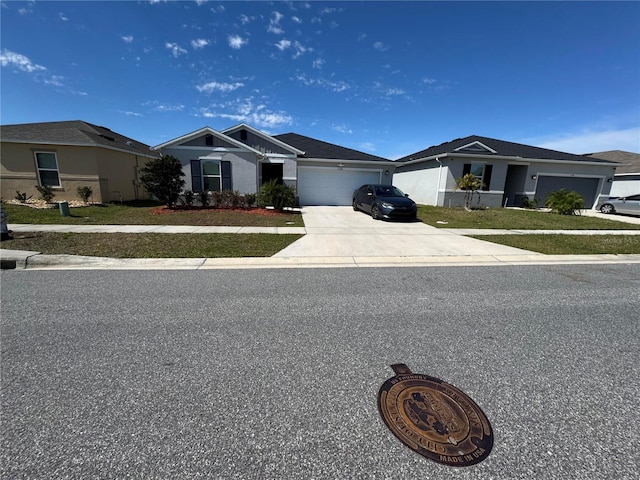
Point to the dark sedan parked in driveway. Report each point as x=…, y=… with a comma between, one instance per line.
x=384, y=201
x=629, y=205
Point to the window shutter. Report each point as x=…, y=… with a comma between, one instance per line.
x=487, y=177
x=226, y=175
x=196, y=176
x=466, y=168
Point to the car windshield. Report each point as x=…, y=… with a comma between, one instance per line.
x=388, y=191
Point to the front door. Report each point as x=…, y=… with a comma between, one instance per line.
x=271, y=171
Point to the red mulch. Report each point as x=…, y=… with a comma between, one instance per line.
x=256, y=211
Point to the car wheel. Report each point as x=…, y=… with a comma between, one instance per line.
x=375, y=213
x=607, y=208
x=354, y=205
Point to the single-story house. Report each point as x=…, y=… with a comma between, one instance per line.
x=626, y=181
x=242, y=158
x=509, y=172
x=71, y=154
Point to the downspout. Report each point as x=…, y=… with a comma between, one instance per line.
x=439, y=180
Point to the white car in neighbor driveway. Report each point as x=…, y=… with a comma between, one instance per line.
x=629, y=205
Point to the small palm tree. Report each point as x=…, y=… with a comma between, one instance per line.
x=470, y=184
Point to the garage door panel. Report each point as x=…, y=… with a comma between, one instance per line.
x=330, y=186
x=587, y=187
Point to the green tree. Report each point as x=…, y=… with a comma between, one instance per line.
x=470, y=184
x=163, y=178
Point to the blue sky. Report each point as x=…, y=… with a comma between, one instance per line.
x=386, y=78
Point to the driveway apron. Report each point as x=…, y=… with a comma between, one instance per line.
x=341, y=232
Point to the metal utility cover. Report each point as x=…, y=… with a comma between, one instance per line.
x=434, y=418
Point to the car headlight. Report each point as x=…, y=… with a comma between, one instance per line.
x=387, y=205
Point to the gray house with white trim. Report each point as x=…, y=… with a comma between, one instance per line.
x=242, y=158
x=509, y=172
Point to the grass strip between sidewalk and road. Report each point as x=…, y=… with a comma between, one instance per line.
x=152, y=245
x=552, y=244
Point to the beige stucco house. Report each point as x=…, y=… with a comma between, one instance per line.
x=71, y=154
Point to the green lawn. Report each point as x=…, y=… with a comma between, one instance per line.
x=152, y=213
x=152, y=245
x=551, y=244
x=506, y=218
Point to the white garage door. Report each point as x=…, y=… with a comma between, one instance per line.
x=331, y=186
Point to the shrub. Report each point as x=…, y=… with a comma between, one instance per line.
x=532, y=204
x=277, y=195
x=46, y=193
x=189, y=198
x=84, y=193
x=249, y=199
x=163, y=178
x=204, y=199
x=565, y=202
x=22, y=196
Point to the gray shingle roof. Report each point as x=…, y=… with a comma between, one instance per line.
x=631, y=159
x=502, y=148
x=313, y=148
x=74, y=132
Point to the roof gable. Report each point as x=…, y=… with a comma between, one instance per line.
x=500, y=148
x=200, y=138
x=260, y=140
x=318, y=149
x=475, y=147
x=74, y=132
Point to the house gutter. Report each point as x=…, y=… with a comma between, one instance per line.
x=354, y=162
x=521, y=160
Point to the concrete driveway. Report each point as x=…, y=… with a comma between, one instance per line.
x=341, y=232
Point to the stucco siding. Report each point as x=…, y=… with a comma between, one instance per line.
x=243, y=166
x=420, y=184
x=76, y=167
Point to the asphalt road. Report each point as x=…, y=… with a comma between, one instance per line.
x=275, y=373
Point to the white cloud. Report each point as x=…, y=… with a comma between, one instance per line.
x=274, y=23
x=296, y=20
x=236, y=41
x=283, y=44
x=318, y=63
x=393, y=91
x=380, y=47
x=127, y=38
x=199, y=43
x=589, y=141
x=321, y=82
x=341, y=129
x=201, y=2
x=131, y=114
x=247, y=112
x=169, y=108
x=54, y=80
x=244, y=19
x=367, y=146
x=219, y=87
x=429, y=81
x=62, y=17
x=12, y=59
x=176, y=50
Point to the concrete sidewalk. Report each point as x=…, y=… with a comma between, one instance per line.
x=333, y=237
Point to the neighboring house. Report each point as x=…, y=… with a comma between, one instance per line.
x=242, y=158
x=71, y=154
x=509, y=172
x=626, y=181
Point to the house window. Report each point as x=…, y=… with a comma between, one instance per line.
x=481, y=171
x=211, y=177
x=47, y=165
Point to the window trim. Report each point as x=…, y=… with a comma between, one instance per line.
x=203, y=175
x=39, y=169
